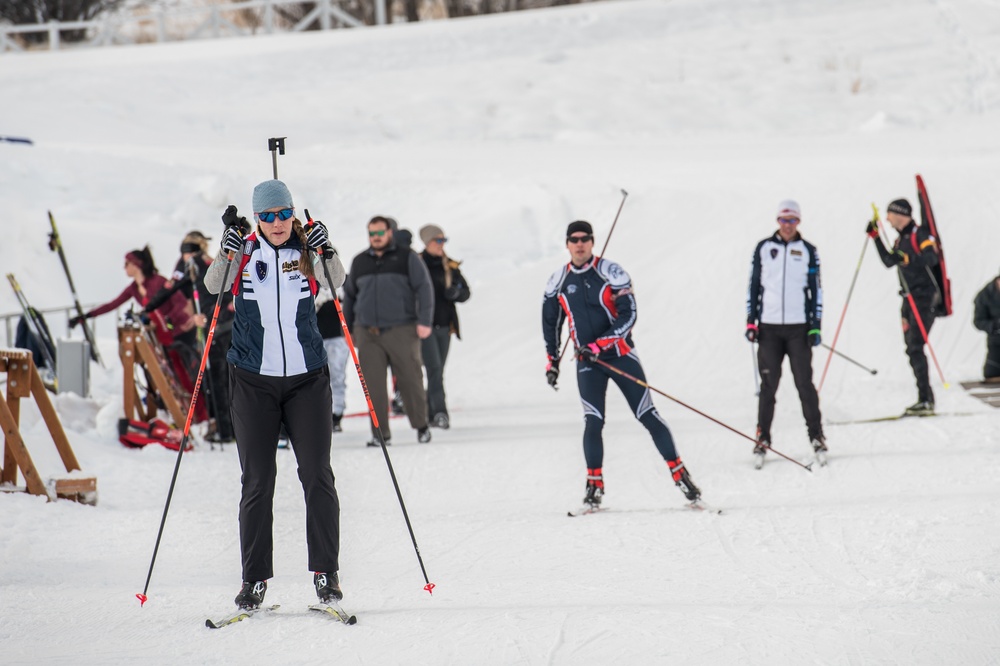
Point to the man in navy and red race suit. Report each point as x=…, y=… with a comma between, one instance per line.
x=595, y=296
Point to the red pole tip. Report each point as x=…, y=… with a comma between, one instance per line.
x=142, y=599
x=429, y=587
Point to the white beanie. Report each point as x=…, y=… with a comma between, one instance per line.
x=789, y=208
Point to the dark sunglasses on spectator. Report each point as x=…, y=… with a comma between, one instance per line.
x=379, y=233
x=283, y=214
x=579, y=239
x=788, y=220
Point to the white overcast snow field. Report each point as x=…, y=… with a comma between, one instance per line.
x=502, y=130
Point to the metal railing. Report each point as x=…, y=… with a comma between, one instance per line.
x=244, y=18
x=10, y=320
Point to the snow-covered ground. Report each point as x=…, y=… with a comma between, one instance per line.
x=502, y=130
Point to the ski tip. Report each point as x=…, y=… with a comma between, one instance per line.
x=142, y=599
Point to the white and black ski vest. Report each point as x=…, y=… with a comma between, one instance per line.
x=785, y=283
x=275, y=332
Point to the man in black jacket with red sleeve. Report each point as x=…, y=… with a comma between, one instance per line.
x=913, y=254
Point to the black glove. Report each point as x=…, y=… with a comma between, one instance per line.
x=552, y=372
x=453, y=292
x=814, y=337
x=76, y=321
x=588, y=352
x=752, y=332
x=232, y=218
x=872, y=228
x=232, y=240
x=317, y=237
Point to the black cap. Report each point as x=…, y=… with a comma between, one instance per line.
x=902, y=207
x=579, y=225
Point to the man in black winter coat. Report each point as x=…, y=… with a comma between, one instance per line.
x=388, y=305
x=449, y=288
x=987, y=319
x=914, y=254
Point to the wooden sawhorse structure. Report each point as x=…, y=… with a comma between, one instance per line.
x=23, y=382
x=134, y=349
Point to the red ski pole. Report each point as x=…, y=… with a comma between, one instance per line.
x=371, y=412
x=187, y=427
x=696, y=411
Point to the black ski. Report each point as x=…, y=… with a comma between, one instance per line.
x=55, y=244
x=238, y=616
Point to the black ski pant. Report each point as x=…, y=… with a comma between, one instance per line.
x=775, y=342
x=915, y=344
x=435, y=352
x=261, y=404
x=592, y=380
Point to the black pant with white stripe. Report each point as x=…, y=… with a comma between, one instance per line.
x=261, y=404
x=592, y=380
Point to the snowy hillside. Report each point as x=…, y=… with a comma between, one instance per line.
x=502, y=130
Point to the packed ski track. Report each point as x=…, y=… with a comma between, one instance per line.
x=501, y=130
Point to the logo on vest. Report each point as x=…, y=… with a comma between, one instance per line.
x=261, y=270
x=774, y=253
x=290, y=266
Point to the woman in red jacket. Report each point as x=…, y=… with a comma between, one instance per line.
x=146, y=282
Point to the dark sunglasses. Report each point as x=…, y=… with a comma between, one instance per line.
x=788, y=220
x=379, y=233
x=282, y=215
x=579, y=239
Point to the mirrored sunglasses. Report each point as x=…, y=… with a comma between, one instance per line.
x=283, y=214
x=441, y=241
x=788, y=220
x=379, y=233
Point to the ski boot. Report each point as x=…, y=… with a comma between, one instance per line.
x=327, y=587
x=336, y=423
x=424, y=434
x=819, y=449
x=397, y=404
x=595, y=489
x=683, y=480
x=920, y=408
x=759, y=451
x=374, y=441
x=251, y=595
x=440, y=420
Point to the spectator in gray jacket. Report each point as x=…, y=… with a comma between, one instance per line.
x=389, y=306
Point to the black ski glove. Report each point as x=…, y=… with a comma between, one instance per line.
x=317, y=237
x=752, y=332
x=232, y=218
x=76, y=321
x=872, y=228
x=552, y=372
x=814, y=337
x=232, y=240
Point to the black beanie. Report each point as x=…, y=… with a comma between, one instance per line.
x=902, y=207
x=579, y=225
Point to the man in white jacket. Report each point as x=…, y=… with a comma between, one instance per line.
x=784, y=313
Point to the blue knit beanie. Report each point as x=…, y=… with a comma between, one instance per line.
x=271, y=194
